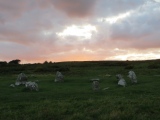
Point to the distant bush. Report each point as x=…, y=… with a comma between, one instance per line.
x=15, y=62
x=153, y=66
x=129, y=67
x=110, y=63
x=64, y=69
x=3, y=63
x=42, y=69
x=48, y=69
x=11, y=69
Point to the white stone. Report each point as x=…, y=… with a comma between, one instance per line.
x=32, y=85
x=121, y=81
x=17, y=83
x=132, y=76
x=21, y=79
x=59, y=77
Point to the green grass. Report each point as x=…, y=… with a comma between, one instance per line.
x=75, y=100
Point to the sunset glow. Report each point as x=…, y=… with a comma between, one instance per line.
x=79, y=31
x=135, y=56
x=60, y=30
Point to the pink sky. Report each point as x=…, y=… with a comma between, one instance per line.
x=79, y=30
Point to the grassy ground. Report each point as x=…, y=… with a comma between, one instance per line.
x=75, y=100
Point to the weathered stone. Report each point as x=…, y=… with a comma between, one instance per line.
x=59, y=77
x=132, y=76
x=21, y=79
x=121, y=81
x=32, y=86
x=95, y=85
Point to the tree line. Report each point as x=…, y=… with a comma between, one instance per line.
x=14, y=66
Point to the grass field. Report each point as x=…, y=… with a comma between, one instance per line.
x=75, y=100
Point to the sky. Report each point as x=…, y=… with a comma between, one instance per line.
x=35, y=31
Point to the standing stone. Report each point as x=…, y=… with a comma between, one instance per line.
x=32, y=86
x=95, y=84
x=59, y=77
x=21, y=79
x=132, y=76
x=121, y=81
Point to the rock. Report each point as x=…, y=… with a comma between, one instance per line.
x=121, y=81
x=132, y=76
x=32, y=86
x=21, y=79
x=95, y=84
x=59, y=77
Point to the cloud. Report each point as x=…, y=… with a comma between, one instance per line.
x=142, y=26
x=75, y=8
x=108, y=8
x=29, y=29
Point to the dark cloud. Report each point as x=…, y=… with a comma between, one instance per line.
x=75, y=8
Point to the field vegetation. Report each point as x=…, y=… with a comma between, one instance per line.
x=74, y=99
